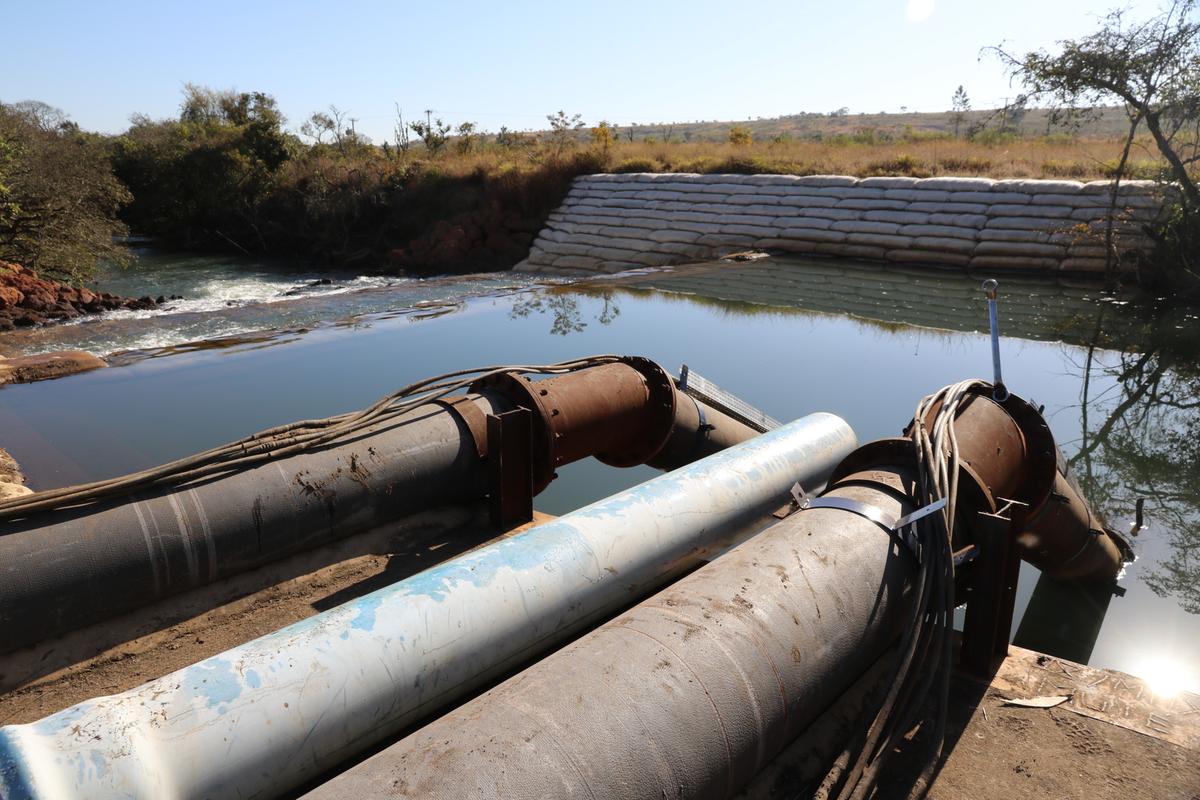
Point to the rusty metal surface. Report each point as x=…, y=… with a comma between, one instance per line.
x=1065, y=539
x=698, y=431
x=1008, y=452
x=465, y=406
x=510, y=468
x=624, y=414
x=991, y=443
x=606, y=411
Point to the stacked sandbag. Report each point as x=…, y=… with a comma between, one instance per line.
x=613, y=223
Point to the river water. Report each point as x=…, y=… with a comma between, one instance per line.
x=1120, y=387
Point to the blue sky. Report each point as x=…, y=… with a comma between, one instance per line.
x=511, y=63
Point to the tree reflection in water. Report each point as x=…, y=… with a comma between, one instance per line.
x=566, y=317
x=1140, y=436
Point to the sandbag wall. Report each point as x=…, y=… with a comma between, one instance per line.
x=612, y=223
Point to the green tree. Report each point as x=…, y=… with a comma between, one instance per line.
x=198, y=181
x=1151, y=67
x=466, y=137
x=960, y=104
x=58, y=196
x=562, y=131
x=433, y=133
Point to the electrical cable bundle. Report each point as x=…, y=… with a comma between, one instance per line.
x=278, y=442
x=925, y=650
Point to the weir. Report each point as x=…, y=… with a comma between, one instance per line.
x=616, y=222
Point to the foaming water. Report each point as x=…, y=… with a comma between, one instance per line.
x=227, y=298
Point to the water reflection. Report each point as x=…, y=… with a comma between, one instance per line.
x=1140, y=436
x=563, y=309
x=1134, y=364
x=891, y=297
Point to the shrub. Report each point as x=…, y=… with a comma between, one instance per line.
x=1064, y=169
x=636, y=165
x=965, y=164
x=902, y=164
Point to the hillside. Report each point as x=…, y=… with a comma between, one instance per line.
x=1033, y=122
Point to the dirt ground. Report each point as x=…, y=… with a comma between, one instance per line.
x=999, y=752
x=1112, y=740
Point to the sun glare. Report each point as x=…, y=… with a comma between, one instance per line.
x=919, y=10
x=1167, y=676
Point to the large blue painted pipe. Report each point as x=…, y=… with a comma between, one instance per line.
x=265, y=717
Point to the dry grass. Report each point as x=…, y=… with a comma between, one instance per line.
x=1089, y=158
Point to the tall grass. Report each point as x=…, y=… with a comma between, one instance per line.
x=1056, y=156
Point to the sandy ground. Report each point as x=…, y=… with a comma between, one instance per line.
x=1000, y=752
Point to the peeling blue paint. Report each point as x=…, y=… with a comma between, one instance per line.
x=100, y=764
x=214, y=680
x=366, y=607
x=252, y=679
x=62, y=720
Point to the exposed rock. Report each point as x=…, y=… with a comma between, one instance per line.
x=10, y=472
x=26, y=369
x=9, y=490
x=12, y=482
x=27, y=300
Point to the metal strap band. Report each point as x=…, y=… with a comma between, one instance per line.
x=903, y=528
x=876, y=515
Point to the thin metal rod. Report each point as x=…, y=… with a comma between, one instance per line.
x=999, y=392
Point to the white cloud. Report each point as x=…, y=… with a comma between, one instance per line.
x=919, y=10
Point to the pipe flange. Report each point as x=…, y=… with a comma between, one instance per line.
x=660, y=415
x=1042, y=463
x=520, y=390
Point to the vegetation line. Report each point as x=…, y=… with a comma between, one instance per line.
x=228, y=174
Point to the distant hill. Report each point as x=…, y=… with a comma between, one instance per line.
x=1032, y=122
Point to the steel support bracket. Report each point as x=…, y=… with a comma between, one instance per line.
x=993, y=592
x=510, y=468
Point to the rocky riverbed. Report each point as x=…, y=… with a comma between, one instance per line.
x=27, y=300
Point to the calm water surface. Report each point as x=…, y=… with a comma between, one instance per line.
x=865, y=342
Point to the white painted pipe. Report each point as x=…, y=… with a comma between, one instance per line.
x=265, y=717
